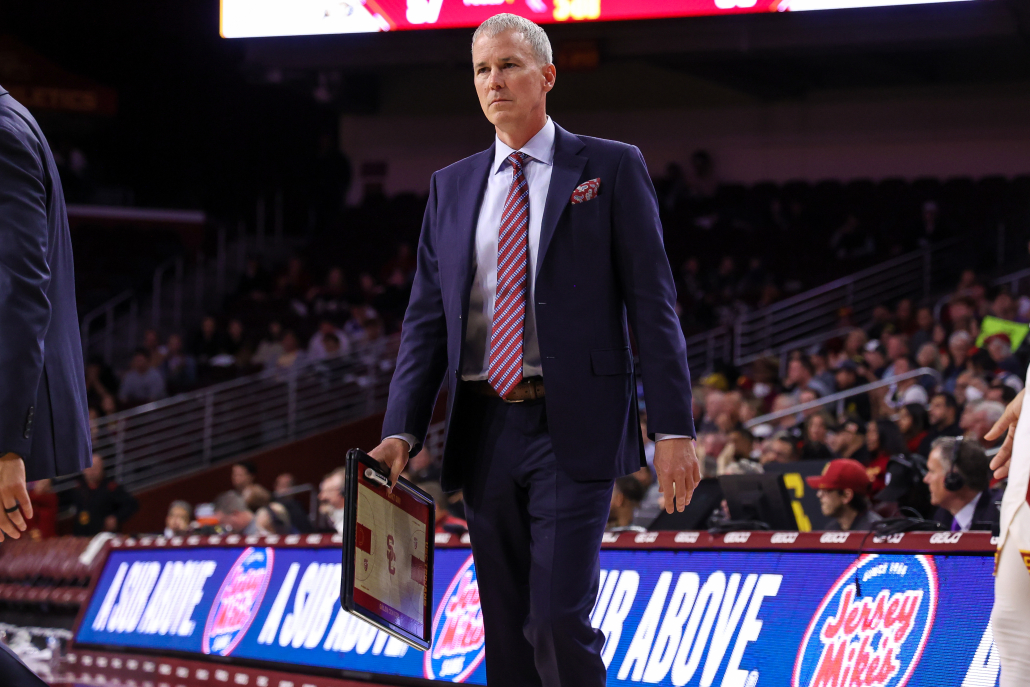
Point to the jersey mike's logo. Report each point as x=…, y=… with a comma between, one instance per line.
x=871, y=634
x=458, y=640
x=237, y=601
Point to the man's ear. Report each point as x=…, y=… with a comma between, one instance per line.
x=848, y=494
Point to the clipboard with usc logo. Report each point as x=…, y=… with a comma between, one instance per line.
x=387, y=552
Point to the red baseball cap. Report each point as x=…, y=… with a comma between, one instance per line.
x=843, y=473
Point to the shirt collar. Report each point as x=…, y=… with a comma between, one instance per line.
x=540, y=147
x=965, y=516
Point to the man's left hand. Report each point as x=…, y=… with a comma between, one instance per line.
x=13, y=494
x=675, y=462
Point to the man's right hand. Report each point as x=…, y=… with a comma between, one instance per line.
x=1007, y=421
x=393, y=453
x=13, y=493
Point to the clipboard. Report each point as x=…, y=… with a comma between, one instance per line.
x=388, y=542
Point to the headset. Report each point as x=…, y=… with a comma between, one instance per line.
x=954, y=481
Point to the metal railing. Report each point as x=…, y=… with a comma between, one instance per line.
x=841, y=395
x=167, y=439
x=707, y=348
x=813, y=312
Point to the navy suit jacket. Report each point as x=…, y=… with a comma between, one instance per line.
x=599, y=261
x=43, y=415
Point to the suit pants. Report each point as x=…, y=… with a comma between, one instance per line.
x=1012, y=604
x=536, y=538
x=14, y=673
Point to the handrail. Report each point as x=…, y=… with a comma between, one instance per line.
x=105, y=309
x=841, y=395
x=814, y=311
x=166, y=439
x=704, y=349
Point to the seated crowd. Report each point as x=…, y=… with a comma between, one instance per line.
x=906, y=429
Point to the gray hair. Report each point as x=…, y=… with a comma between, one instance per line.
x=534, y=35
x=992, y=410
x=230, y=502
x=182, y=504
x=960, y=335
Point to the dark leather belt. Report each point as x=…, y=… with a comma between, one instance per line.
x=528, y=389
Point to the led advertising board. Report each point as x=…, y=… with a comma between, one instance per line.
x=255, y=18
x=741, y=618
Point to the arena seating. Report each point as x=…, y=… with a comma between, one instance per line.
x=48, y=571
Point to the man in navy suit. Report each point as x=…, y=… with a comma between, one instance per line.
x=536, y=258
x=44, y=426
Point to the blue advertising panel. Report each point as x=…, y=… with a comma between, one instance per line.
x=731, y=618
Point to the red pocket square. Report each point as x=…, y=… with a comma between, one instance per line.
x=586, y=191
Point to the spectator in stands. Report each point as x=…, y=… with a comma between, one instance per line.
x=923, y=333
x=882, y=324
x=781, y=448
x=858, y=404
x=821, y=371
x=331, y=299
x=883, y=440
x=152, y=344
x=904, y=318
x=943, y=416
x=208, y=342
x=233, y=514
x=330, y=496
x=178, y=369
x=897, y=348
x=282, y=495
x=238, y=344
x=738, y=458
x=256, y=497
x=445, y=520
x=292, y=355
x=913, y=421
x=270, y=347
x=849, y=442
x=98, y=503
x=958, y=350
x=928, y=355
x=273, y=519
x=905, y=391
x=177, y=522
x=999, y=346
x=45, y=505
x=317, y=349
x=978, y=419
x=958, y=475
x=843, y=491
x=626, y=496
x=101, y=382
x=801, y=375
x=244, y=473
x=141, y=383
x=816, y=434
x=875, y=358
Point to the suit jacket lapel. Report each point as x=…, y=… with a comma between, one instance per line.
x=565, y=174
x=470, y=198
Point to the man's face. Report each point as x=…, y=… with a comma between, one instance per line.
x=874, y=359
x=831, y=501
x=241, y=477
x=935, y=473
x=140, y=363
x=510, y=81
x=896, y=347
x=330, y=492
x=939, y=413
x=845, y=378
x=178, y=520
x=796, y=373
x=283, y=482
x=924, y=318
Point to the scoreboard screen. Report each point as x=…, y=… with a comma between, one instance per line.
x=256, y=18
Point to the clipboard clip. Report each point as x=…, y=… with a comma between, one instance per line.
x=377, y=477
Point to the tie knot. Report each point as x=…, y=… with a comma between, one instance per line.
x=517, y=158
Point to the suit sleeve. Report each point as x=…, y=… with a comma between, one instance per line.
x=422, y=358
x=24, y=279
x=649, y=291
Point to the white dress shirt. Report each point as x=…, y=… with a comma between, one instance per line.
x=537, y=170
x=964, y=517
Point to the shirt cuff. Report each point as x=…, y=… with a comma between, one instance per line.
x=409, y=438
x=662, y=437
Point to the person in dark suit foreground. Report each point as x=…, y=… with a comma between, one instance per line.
x=44, y=426
x=958, y=474
x=536, y=257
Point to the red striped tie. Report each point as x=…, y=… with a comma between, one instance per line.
x=512, y=283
